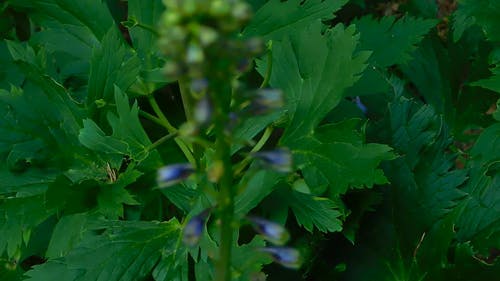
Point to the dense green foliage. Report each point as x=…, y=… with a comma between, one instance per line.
x=391, y=113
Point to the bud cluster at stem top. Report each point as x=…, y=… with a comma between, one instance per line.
x=199, y=37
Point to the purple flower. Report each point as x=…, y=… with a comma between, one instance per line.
x=279, y=159
x=287, y=257
x=272, y=232
x=172, y=174
x=193, y=229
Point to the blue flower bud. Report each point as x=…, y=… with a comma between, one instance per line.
x=193, y=231
x=199, y=85
x=287, y=257
x=172, y=174
x=265, y=101
x=279, y=159
x=360, y=105
x=272, y=232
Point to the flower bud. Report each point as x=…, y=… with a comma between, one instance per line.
x=266, y=101
x=198, y=85
x=272, y=232
x=207, y=35
x=241, y=12
x=193, y=230
x=194, y=54
x=360, y=105
x=287, y=257
x=203, y=112
x=279, y=159
x=219, y=8
x=172, y=174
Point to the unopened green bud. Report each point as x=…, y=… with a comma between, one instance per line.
x=207, y=35
x=171, y=69
x=170, y=18
x=219, y=8
x=194, y=54
x=189, y=7
x=241, y=12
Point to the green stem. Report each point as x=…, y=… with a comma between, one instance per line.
x=160, y=141
x=151, y=117
x=226, y=209
x=225, y=200
x=156, y=108
x=269, y=67
x=260, y=143
x=172, y=130
x=187, y=100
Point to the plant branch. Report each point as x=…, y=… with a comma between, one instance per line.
x=172, y=130
x=260, y=143
x=269, y=67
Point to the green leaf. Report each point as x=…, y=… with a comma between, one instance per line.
x=9, y=73
x=313, y=70
x=484, y=14
x=113, y=64
x=124, y=251
x=276, y=18
x=255, y=188
x=69, y=15
x=392, y=41
x=68, y=232
x=94, y=138
x=411, y=234
x=311, y=211
x=144, y=40
x=18, y=217
x=128, y=137
x=112, y=197
x=491, y=83
x=483, y=199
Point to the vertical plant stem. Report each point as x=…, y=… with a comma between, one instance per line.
x=226, y=209
x=225, y=198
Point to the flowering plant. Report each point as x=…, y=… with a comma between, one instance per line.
x=249, y=140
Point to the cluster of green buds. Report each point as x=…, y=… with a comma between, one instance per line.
x=197, y=35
